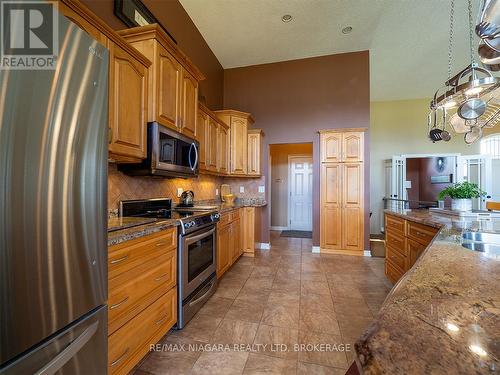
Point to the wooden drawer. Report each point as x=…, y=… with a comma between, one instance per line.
x=420, y=233
x=396, y=241
x=130, y=254
x=392, y=271
x=395, y=224
x=234, y=215
x=225, y=219
x=130, y=343
x=396, y=257
x=131, y=292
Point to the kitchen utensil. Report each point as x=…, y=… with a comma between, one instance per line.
x=490, y=58
x=489, y=20
x=435, y=135
x=459, y=125
x=187, y=198
x=472, y=108
x=473, y=135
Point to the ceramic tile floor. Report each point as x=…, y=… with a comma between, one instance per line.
x=285, y=295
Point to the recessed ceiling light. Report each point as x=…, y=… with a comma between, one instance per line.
x=346, y=30
x=287, y=18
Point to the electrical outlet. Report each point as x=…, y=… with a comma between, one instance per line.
x=216, y=192
x=179, y=192
x=242, y=189
x=262, y=189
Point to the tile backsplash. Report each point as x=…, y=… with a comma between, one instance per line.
x=122, y=187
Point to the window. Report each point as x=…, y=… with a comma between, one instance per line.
x=491, y=146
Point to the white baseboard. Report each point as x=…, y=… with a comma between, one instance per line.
x=367, y=253
x=316, y=249
x=279, y=228
x=262, y=245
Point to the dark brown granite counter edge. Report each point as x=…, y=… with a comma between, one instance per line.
x=120, y=236
x=420, y=220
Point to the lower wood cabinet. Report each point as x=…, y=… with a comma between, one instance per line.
x=248, y=230
x=142, y=297
x=229, y=240
x=405, y=241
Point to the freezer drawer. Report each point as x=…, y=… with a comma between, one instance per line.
x=79, y=349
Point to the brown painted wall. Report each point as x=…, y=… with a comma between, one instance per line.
x=292, y=100
x=174, y=18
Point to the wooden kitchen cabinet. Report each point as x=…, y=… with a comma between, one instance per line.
x=254, y=152
x=230, y=234
x=173, y=91
x=127, y=105
x=223, y=149
x=342, y=193
x=239, y=123
x=127, y=85
x=236, y=245
x=339, y=145
x=213, y=139
x=248, y=230
x=215, y=145
x=224, y=248
x=405, y=241
x=142, y=278
x=202, y=133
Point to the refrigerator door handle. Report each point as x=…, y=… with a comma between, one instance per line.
x=60, y=360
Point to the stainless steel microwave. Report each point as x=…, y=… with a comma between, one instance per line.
x=169, y=154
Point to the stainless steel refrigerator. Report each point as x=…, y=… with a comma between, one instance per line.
x=53, y=212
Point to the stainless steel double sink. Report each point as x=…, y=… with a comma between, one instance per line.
x=488, y=243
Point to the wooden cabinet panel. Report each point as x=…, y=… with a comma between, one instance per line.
x=353, y=146
x=394, y=223
x=254, y=152
x=353, y=184
x=392, y=272
x=213, y=133
x=331, y=147
x=166, y=101
x=202, y=133
x=420, y=233
x=131, y=292
x=132, y=341
x=223, y=149
x=352, y=228
x=413, y=250
x=396, y=257
x=82, y=22
x=189, y=102
x=224, y=256
x=248, y=230
x=236, y=240
x=331, y=187
x=127, y=104
x=396, y=241
x=239, y=146
x=331, y=226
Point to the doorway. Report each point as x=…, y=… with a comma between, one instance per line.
x=300, y=178
x=289, y=213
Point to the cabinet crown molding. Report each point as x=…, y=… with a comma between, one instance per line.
x=342, y=130
x=155, y=31
x=233, y=112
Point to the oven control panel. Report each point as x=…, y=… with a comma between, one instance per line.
x=190, y=224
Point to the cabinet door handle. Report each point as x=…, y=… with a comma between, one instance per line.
x=161, y=277
x=120, y=358
x=119, y=260
x=119, y=303
x=158, y=322
x=162, y=243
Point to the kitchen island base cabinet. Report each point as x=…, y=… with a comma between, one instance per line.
x=405, y=241
x=142, y=305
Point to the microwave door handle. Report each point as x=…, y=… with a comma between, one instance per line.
x=195, y=164
x=189, y=157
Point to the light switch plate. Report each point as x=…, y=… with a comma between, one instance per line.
x=262, y=189
x=179, y=192
x=242, y=189
x=216, y=192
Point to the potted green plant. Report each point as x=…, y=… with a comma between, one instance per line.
x=461, y=195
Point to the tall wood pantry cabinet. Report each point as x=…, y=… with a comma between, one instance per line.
x=342, y=191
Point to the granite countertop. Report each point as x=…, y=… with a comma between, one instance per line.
x=118, y=236
x=443, y=316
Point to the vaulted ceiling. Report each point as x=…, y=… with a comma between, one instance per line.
x=407, y=39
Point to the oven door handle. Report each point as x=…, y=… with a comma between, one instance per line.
x=209, y=287
x=192, y=239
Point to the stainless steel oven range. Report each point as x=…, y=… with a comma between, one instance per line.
x=196, y=250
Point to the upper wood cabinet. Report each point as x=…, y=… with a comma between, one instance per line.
x=202, y=133
x=238, y=133
x=173, y=92
x=340, y=145
x=213, y=139
x=127, y=104
x=127, y=88
x=223, y=149
x=254, y=152
x=214, y=142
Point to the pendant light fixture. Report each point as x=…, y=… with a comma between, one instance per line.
x=465, y=96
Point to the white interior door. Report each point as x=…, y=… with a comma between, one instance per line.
x=398, y=179
x=300, y=177
x=476, y=169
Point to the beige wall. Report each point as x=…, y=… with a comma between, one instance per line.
x=399, y=127
x=279, y=178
